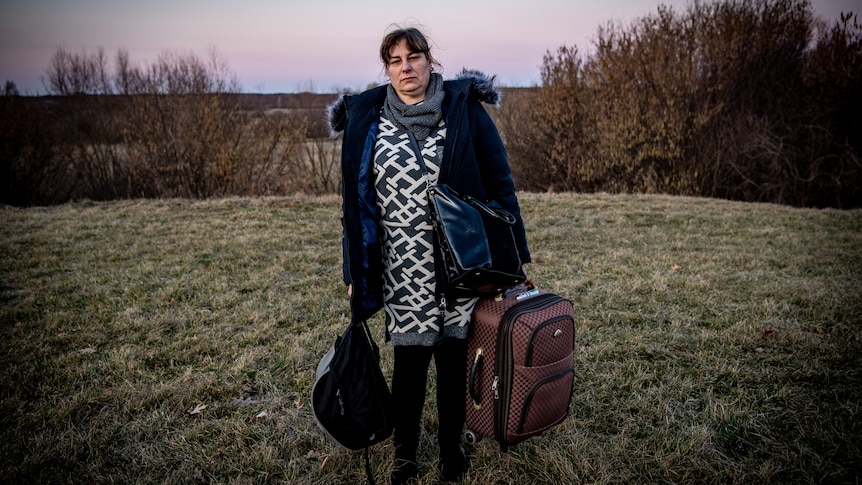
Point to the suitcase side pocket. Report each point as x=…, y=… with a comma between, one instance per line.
x=550, y=340
x=545, y=395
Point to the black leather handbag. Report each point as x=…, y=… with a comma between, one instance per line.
x=475, y=241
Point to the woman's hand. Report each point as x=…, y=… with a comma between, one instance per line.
x=350, y=290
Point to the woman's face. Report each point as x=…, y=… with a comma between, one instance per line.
x=409, y=72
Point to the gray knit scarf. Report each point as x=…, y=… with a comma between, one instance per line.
x=419, y=118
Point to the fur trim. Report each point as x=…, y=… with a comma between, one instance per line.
x=481, y=86
x=336, y=116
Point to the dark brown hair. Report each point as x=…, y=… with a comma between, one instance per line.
x=416, y=42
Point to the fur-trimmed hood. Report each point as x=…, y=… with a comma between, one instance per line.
x=477, y=84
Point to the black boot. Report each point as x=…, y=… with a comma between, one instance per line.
x=453, y=466
x=403, y=472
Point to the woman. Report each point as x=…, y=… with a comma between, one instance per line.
x=388, y=239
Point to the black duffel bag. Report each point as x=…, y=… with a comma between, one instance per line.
x=351, y=401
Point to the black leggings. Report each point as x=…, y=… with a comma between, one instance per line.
x=409, y=380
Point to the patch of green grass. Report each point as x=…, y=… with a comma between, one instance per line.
x=175, y=341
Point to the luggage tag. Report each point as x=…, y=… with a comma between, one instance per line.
x=528, y=285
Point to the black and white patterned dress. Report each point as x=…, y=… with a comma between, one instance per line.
x=410, y=304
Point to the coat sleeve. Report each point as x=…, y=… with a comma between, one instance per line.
x=496, y=174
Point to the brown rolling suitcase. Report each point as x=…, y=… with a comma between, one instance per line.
x=520, y=357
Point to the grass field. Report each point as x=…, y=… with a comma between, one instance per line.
x=175, y=341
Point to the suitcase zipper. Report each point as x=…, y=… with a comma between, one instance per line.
x=503, y=371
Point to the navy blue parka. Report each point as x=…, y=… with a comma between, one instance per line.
x=474, y=163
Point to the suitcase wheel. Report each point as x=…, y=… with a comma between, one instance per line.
x=472, y=437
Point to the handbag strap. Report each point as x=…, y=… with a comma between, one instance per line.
x=497, y=213
x=420, y=159
x=368, y=473
x=441, y=291
x=501, y=214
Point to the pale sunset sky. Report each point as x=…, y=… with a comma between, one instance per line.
x=314, y=45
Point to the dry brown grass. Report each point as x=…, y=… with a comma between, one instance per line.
x=174, y=341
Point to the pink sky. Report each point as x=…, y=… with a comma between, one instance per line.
x=317, y=45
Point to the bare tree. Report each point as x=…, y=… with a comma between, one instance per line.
x=78, y=73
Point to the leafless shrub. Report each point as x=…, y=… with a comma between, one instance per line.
x=543, y=128
x=174, y=128
x=749, y=100
x=520, y=132
x=72, y=73
x=319, y=171
x=79, y=156
x=182, y=133
x=27, y=143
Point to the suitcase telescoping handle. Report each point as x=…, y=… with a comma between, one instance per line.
x=471, y=384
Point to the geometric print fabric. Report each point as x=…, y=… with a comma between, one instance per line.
x=410, y=303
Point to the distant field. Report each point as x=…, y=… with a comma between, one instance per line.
x=174, y=341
